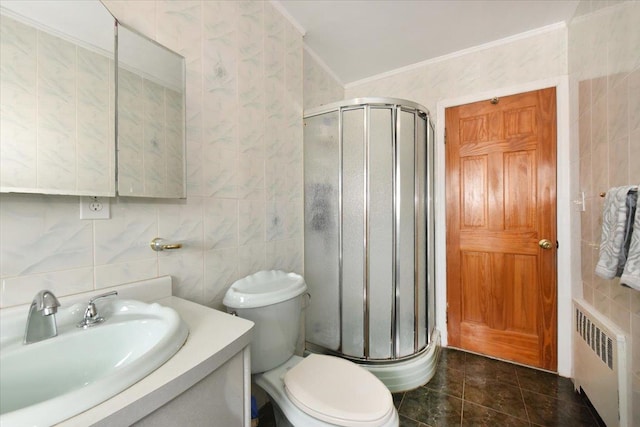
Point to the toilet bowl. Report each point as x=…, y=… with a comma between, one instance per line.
x=317, y=390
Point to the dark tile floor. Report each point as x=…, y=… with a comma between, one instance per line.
x=472, y=390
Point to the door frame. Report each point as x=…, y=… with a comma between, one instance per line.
x=568, y=218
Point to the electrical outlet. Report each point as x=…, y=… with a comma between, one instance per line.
x=94, y=208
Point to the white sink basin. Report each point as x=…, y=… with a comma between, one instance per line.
x=49, y=381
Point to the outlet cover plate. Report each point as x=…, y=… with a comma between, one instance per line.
x=94, y=208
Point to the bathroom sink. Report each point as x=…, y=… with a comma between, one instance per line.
x=48, y=381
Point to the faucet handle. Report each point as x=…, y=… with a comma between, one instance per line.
x=108, y=294
x=91, y=316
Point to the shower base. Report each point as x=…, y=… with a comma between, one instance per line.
x=408, y=374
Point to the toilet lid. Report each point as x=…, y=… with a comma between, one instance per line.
x=337, y=391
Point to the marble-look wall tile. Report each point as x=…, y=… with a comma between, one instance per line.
x=126, y=236
x=294, y=69
x=275, y=178
x=183, y=222
x=220, y=271
x=251, y=258
x=221, y=168
x=635, y=350
x=635, y=388
x=108, y=275
x=251, y=177
x=251, y=227
x=187, y=272
x=285, y=255
x=42, y=234
x=22, y=289
x=220, y=223
x=534, y=58
x=276, y=221
x=220, y=75
x=177, y=19
x=319, y=86
x=251, y=79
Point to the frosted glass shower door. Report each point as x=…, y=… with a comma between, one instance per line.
x=380, y=239
x=321, y=228
x=353, y=233
x=405, y=235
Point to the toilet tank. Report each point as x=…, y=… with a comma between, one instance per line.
x=272, y=300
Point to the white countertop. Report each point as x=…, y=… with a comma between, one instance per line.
x=214, y=337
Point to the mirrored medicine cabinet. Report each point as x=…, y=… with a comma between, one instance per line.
x=87, y=105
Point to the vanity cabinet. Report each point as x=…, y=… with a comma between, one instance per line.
x=217, y=400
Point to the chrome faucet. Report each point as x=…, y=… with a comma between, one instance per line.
x=41, y=321
x=91, y=317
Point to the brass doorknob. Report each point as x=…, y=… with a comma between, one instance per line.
x=545, y=244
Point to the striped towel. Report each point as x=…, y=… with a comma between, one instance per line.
x=614, y=219
x=631, y=274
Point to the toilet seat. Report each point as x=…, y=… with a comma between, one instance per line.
x=337, y=391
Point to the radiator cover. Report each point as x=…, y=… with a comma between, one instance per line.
x=601, y=364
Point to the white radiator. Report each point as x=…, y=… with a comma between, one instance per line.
x=601, y=367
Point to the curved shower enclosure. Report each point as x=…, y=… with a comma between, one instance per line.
x=369, y=237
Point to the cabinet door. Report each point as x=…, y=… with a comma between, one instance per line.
x=57, y=91
x=151, y=118
x=217, y=400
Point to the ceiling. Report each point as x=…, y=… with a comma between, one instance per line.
x=357, y=39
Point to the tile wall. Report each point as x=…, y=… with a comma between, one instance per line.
x=320, y=87
x=525, y=59
x=244, y=207
x=604, y=62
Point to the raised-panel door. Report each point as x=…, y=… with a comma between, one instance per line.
x=501, y=208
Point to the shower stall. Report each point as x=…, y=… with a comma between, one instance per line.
x=369, y=237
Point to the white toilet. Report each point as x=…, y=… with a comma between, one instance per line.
x=317, y=390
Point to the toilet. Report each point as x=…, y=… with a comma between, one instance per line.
x=313, y=391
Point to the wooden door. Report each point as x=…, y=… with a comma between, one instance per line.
x=501, y=204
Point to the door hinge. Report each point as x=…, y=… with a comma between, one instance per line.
x=445, y=135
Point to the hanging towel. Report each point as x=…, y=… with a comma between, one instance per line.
x=632, y=201
x=631, y=274
x=614, y=220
